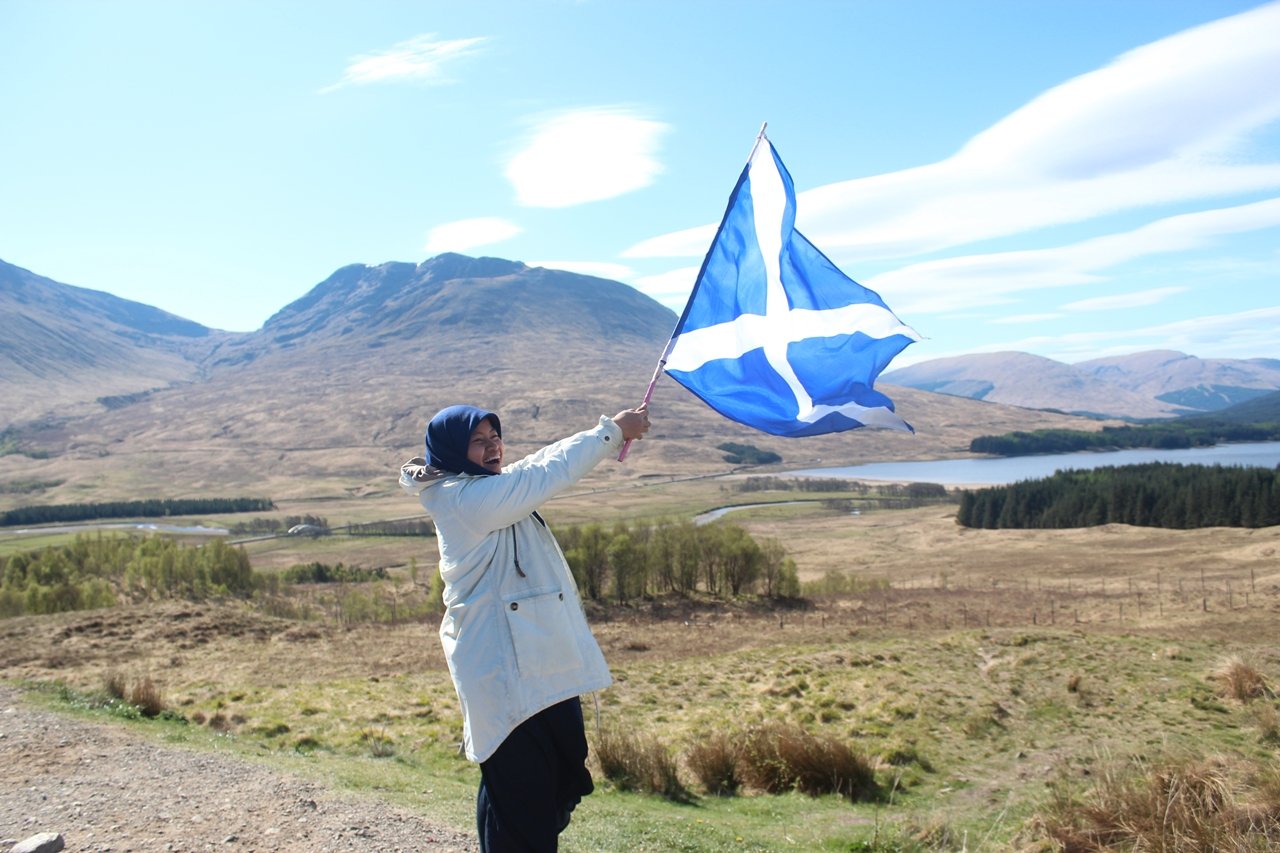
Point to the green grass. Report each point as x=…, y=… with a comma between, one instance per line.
x=970, y=728
x=11, y=544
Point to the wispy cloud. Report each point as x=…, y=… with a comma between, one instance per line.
x=421, y=59
x=671, y=288
x=1168, y=122
x=1137, y=299
x=586, y=155
x=1241, y=334
x=1021, y=319
x=971, y=280
x=599, y=269
x=469, y=233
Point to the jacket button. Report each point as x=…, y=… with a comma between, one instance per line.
x=562, y=596
x=515, y=605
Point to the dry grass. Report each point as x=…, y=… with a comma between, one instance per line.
x=1240, y=680
x=1193, y=805
x=142, y=693
x=146, y=696
x=1002, y=656
x=634, y=762
x=714, y=761
x=779, y=758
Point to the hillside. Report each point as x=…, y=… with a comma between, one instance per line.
x=1264, y=409
x=62, y=347
x=334, y=392
x=1153, y=384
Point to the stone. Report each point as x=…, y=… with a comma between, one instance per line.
x=43, y=842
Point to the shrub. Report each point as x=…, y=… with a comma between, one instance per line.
x=747, y=454
x=1240, y=680
x=1187, y=805
x=638, y=763
x=714, y=762
x=145, y=695
x=1267, y=716
x=381, y=744
x=115, y=685
x=778, y=758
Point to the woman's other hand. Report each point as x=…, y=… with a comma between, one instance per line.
x=634, y=423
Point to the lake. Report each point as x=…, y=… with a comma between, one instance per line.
x=1002, y=470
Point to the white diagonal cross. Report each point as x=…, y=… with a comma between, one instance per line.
x=782, y=325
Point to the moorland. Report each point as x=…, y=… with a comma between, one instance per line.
x=1089, y=688
x=983, y=674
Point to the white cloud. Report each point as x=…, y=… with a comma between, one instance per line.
x=972, y=280
x=600, y=269
x=421, y=59
x=1164, y=123
x=468, y=233
x=1019, y=319
x=1137, y=299
x=586, y=155
x=670, y=288
x=1239, y=335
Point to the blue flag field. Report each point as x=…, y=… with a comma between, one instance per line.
x=775, y=336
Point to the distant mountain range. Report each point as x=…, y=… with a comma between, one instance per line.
x=103, y=398
x=1154, y=384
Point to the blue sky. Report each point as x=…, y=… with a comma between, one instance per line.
x=1069, y=178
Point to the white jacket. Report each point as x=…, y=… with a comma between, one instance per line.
x=515, y=643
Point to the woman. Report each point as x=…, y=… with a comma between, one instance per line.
x=514, y=633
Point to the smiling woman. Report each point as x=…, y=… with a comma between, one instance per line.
x=514, y=633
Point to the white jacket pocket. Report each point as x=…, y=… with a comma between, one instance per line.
x=542, y=631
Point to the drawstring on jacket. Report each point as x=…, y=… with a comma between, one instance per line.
x=515, y=545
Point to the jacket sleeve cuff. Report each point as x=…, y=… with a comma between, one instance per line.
x=609, y=432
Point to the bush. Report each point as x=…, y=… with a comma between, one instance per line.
x=714, y=762
x=777, y=758
x=747, y=454
x=638, y=763
x=145, y=695
x=1187, y=805
x=1240, y=680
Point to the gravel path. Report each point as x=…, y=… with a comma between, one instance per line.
x=105, y=788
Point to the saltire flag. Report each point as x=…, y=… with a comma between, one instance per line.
x=775, y=336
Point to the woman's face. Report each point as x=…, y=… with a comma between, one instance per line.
x=485, y=447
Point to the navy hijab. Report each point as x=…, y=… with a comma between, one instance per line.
x=449, y=434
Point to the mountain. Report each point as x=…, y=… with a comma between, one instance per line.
x=63, y=346
x=1203, y=384
x=1264, y=409
x=1155, y=384
x=333, y=392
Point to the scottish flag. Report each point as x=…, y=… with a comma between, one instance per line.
x=774, y=336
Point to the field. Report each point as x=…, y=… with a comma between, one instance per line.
x=985, y=674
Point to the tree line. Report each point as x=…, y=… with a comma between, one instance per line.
x=627, y=562
x=277, y=525
x=95, y=571
x=402, y=527
x=621, y=563
x=1154, y=494
x=317, y=572
x=912, y=491
x=150, y=508
x=1172, y=435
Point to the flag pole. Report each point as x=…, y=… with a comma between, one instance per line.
x=666, y=351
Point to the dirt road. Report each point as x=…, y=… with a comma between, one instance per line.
x=105, y=788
